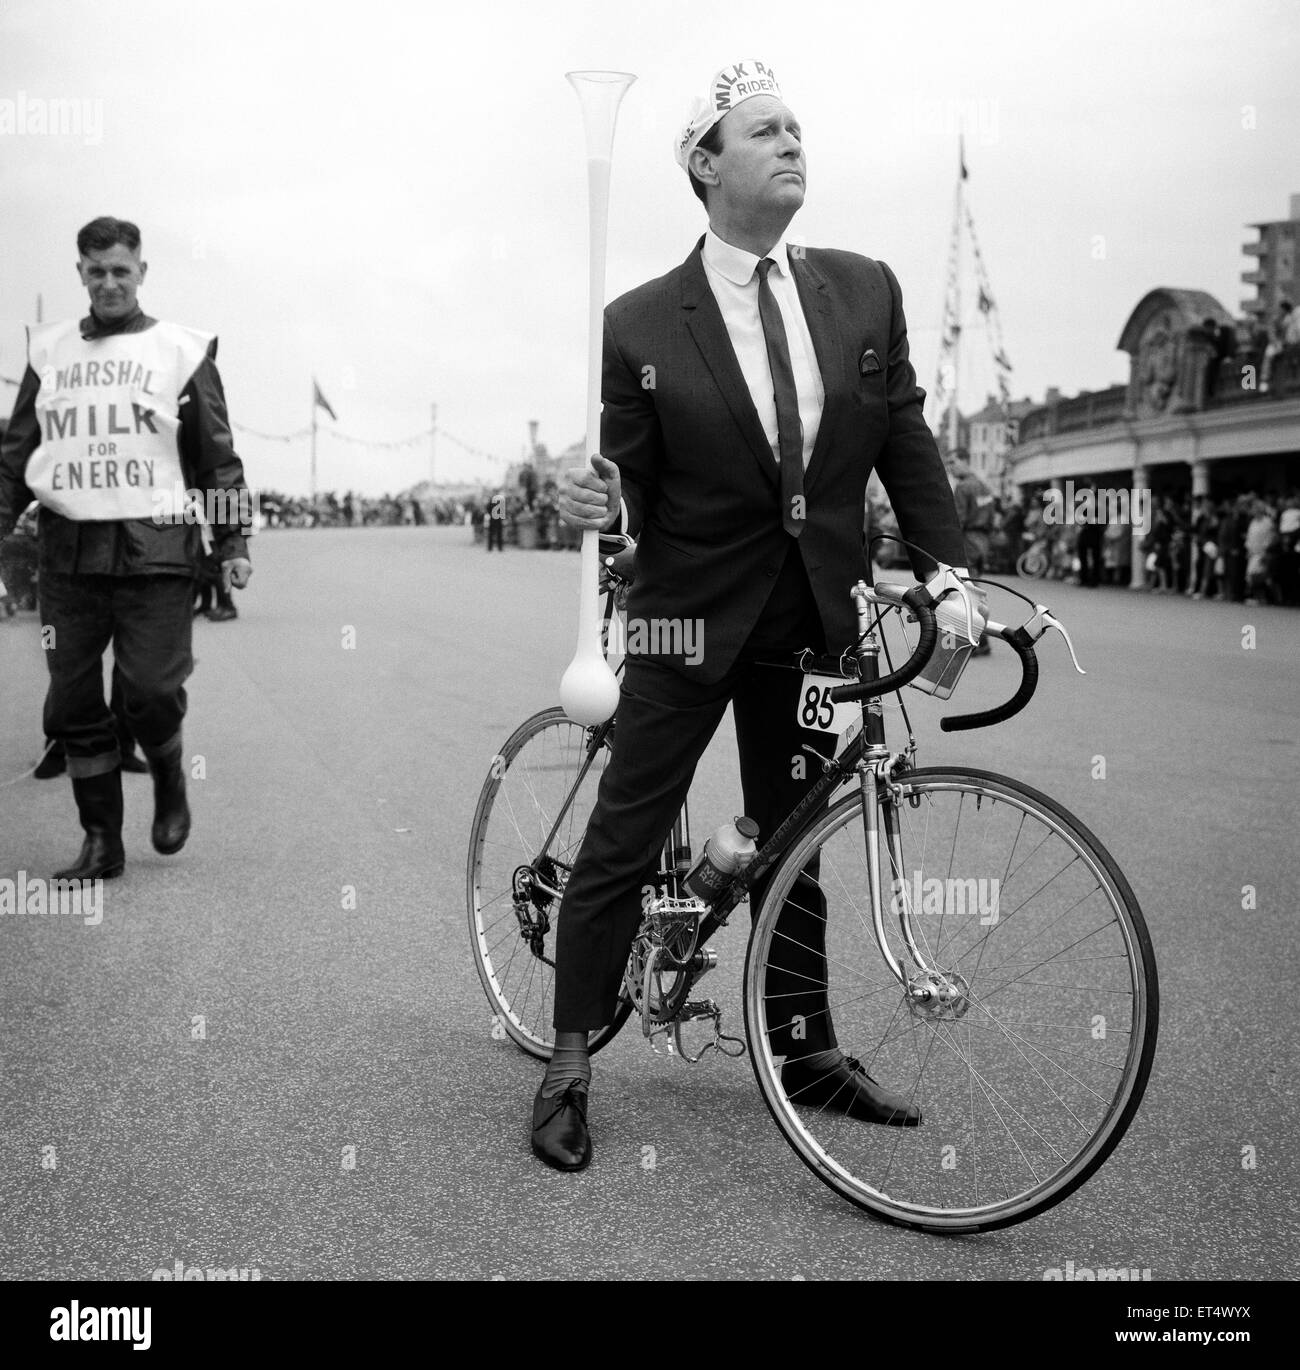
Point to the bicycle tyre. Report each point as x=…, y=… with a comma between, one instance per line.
x=544, y=753
x=929, y=1176
x=1032, y=564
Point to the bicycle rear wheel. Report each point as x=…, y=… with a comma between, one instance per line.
x=1030, y=1065
x=530, y=820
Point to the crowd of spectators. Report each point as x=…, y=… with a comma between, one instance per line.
x=352, y=510
x=1245, y=548
x=1274, y=337
x=537, y=509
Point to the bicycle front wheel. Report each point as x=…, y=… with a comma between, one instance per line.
x=531, y=818
x=1027, y=1027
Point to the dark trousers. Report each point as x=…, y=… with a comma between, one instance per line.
x=664, y=723
x=1088, y=549
x=148, y=620
x=496, y=535
x=979, y=545
x=1288, y=572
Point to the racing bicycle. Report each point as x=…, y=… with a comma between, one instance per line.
x=984, y=954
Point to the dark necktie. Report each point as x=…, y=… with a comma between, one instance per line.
x=789, y=428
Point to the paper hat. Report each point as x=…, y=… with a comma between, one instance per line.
x=728, y=88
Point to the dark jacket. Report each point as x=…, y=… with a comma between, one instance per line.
x=699, y=479
x=131, y=546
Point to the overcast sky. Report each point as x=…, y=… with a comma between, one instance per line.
x=393, y=196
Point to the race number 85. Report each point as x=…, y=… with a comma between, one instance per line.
x=815, y=710
x=818, y=711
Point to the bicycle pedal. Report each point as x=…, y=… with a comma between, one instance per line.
x=694, y=1011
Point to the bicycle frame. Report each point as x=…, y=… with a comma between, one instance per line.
x=867, y=755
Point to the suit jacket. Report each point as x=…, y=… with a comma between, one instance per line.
x=700, y=481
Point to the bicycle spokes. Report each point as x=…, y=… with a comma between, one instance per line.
x=531, y=818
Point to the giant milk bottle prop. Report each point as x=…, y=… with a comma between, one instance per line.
x=588, y=689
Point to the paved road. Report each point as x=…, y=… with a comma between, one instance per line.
x=327, y=1027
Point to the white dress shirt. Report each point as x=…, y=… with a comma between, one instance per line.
x=732, y=275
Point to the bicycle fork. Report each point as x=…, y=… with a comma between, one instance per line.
x=882, y=794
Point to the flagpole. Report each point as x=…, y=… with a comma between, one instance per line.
x=953, y=420
x=313, y=442
x=433, y=444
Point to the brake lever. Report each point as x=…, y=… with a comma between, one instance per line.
x=1042, y=623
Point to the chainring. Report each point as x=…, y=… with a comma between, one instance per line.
x=669, y=932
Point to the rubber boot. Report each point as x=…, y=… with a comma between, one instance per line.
x=171, y=814
x=99, y=803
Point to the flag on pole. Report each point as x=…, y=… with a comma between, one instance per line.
x=319, y=400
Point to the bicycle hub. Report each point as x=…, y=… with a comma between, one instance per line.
x=931, y=994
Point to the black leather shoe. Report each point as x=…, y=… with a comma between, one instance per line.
x=846, y=1088
x=560, y=1136
x=171, y=814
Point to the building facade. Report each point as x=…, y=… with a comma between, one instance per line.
x=1275, y=273
x=991, y=435
x=1192, y=419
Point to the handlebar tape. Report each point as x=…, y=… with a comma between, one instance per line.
x=918, y=600
x=1024, y=646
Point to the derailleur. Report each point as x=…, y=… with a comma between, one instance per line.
x=534, y=889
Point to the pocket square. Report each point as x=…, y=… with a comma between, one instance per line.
x=868, y=362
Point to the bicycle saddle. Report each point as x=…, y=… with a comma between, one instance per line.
x=618, y=556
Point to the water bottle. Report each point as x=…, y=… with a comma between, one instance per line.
x=730, y=848
x=953, y=649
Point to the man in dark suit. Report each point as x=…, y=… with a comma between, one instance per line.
x=747, y=396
